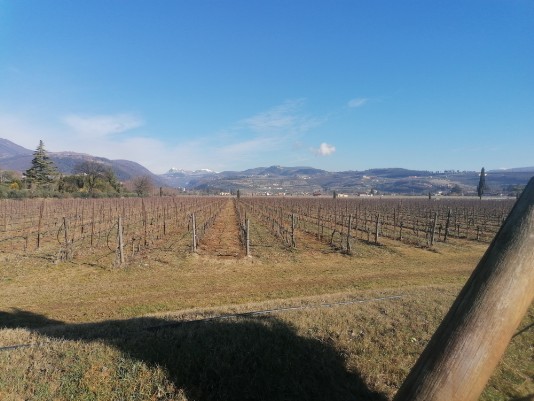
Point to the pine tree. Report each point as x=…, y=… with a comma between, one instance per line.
x=481, y=183
x=43, y=171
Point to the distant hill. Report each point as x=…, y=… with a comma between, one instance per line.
x=308, y=180
x=514, y=170
x=17, y=158
x=290, y=180
x=10, y=149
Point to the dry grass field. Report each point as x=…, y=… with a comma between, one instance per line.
x=340, y=327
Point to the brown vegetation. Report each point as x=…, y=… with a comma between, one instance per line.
x=85, y=320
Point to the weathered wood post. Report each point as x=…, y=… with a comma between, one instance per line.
x=145, y=223
x=164, y=221
x=248, y=237
x=319, y=231
x=466, y=347
x=394, y=222
x=293, y=243
x=447, y=226
x=121, y=241
x=433, y=233
x=41, y=211
x=5, y=215
x=377, y=228
x=92, y=224
x=194, y=229
x=348, y=234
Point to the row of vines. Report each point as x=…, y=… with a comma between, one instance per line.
x=110, y=231
x=104, y=231
x=340, y=222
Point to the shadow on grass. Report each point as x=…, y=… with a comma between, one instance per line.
x=243, y=359
x=24, y=319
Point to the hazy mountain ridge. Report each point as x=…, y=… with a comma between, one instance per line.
x=10, y=149
x=308, y=180
x=17, y=158
x=514, y=170
x=294, y=180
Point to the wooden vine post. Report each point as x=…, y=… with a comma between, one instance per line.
x=41, y=211
x=120, y=247
x=93, y=224
x=349, y=249
x=377, y=228
x=66, y=232
x=247, y=237
x=293, y=243
x=447, y=226
x=467, y=346
x=194, y=225
x=433, y=232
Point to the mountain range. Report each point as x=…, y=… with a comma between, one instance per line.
x=17, y=158
x=308, y=180
x=289, y=180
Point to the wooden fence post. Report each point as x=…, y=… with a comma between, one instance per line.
x=468, y=344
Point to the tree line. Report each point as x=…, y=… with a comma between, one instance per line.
x=89, y=178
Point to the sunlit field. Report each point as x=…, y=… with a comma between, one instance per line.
x=171, y=324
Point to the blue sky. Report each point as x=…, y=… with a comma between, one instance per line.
x=230, y=85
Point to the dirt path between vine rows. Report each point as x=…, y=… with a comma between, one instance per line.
x=222, y=239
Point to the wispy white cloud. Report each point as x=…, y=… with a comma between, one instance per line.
x=89, y=136
x=271, y=134
x=260, y=144
x=325, y=149
x=276, y=135
x=287, y=117
x=357, y=102
x=24, y=132
x=102, y=125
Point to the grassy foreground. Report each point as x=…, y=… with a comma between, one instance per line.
x=86, y=336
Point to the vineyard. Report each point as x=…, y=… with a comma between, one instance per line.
x=106, y=232
x=206, y=298
x=340, y=222
x=110, y=232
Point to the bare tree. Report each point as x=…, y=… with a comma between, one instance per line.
x=142, y=185
x=94, y=171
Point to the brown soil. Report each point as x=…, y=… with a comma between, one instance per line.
x=222, y=239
